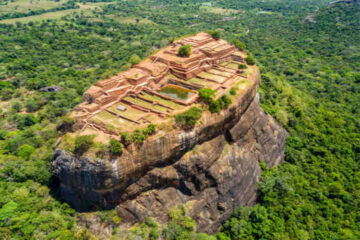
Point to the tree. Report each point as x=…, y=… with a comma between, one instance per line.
x=215, y=35
x=83, y=143
x=242, y=66
x=24, y=151
x=16, y=107
x=134, y=59
x=185, y=51
x=206, y=94
x=239, y=45
x=188, y=118
x=250, y=60
x=115, y=147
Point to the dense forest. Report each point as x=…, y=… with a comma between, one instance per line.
x=309, y=55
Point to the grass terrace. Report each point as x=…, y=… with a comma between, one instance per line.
x=210, y=76
x=130, y=113
x=112, y=122
x=202, y=82
x=147, y=105
x=163, y=101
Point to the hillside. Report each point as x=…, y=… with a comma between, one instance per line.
x=310, y=84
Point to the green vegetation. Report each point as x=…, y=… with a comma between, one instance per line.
x=83, y=143
x=207, y=96
x=310, y=83
x=138, y=136
x=233, y=91
x=134, y=59
x=215, y=35
x=242, y=66
x=238, y=44
x=185, y=51
x=115, y=147
x=187, y=119
x=250, y=60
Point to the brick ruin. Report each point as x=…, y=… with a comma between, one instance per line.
x=134, y=98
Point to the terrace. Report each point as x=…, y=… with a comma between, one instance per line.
x=161, y=86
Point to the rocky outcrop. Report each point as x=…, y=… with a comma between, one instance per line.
x=214, y=177
x=211, y=169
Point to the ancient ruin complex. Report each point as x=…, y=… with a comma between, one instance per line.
x=161, y=85
x=209, y=169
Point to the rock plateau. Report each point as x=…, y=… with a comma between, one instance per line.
x=210, y=169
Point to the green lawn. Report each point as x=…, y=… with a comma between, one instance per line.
x=201, y=82
x=146, y=104
x=162, y=101
x=84, y=8
x=130, y=19
x=213, y=77
x=129, y=113
x=25, y=6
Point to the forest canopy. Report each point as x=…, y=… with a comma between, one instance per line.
x=309, y=57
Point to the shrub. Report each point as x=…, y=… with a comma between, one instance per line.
x=25, y=151
x=83, y=143
x=224, y=101
x=101, y=150
x=233, y=91
x=115, y=147
x=126, y=138
x=32, y=105
x=65, y=124
x=206, y=94
x=239, y=45
x=16, y=107
x=25, y=120
x=149, y=130
x=242, y=66
x=188, y=118
x=214, y=107
x=134, y=59
x=185, y=51
x=250, y=60
x=215, y=35
x=6, y=94
x=138, y=136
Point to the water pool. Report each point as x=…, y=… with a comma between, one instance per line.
x=177, y=92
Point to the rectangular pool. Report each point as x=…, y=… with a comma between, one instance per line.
x=177, y=92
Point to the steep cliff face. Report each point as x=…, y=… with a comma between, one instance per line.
x=214, y=177
x=211, y=169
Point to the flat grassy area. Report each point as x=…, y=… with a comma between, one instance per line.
x=218, y=79
x=217, y=72
x=202, y=82
x=129, y=113
x=25, y=6
x=146, y=104
x=84, y=8
x=112, y=122
x=130, y=19
x=233, y=65
x=219, y=10
x=163, y=101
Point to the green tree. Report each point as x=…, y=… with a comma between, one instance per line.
x=188, y=118
x=25, y=151
x=83, y=143
x=215, y=34
x=115, y=147
x=206, y=94
x=238, y=44
x=134, y=59
x=184, y=51
x=250, y=60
